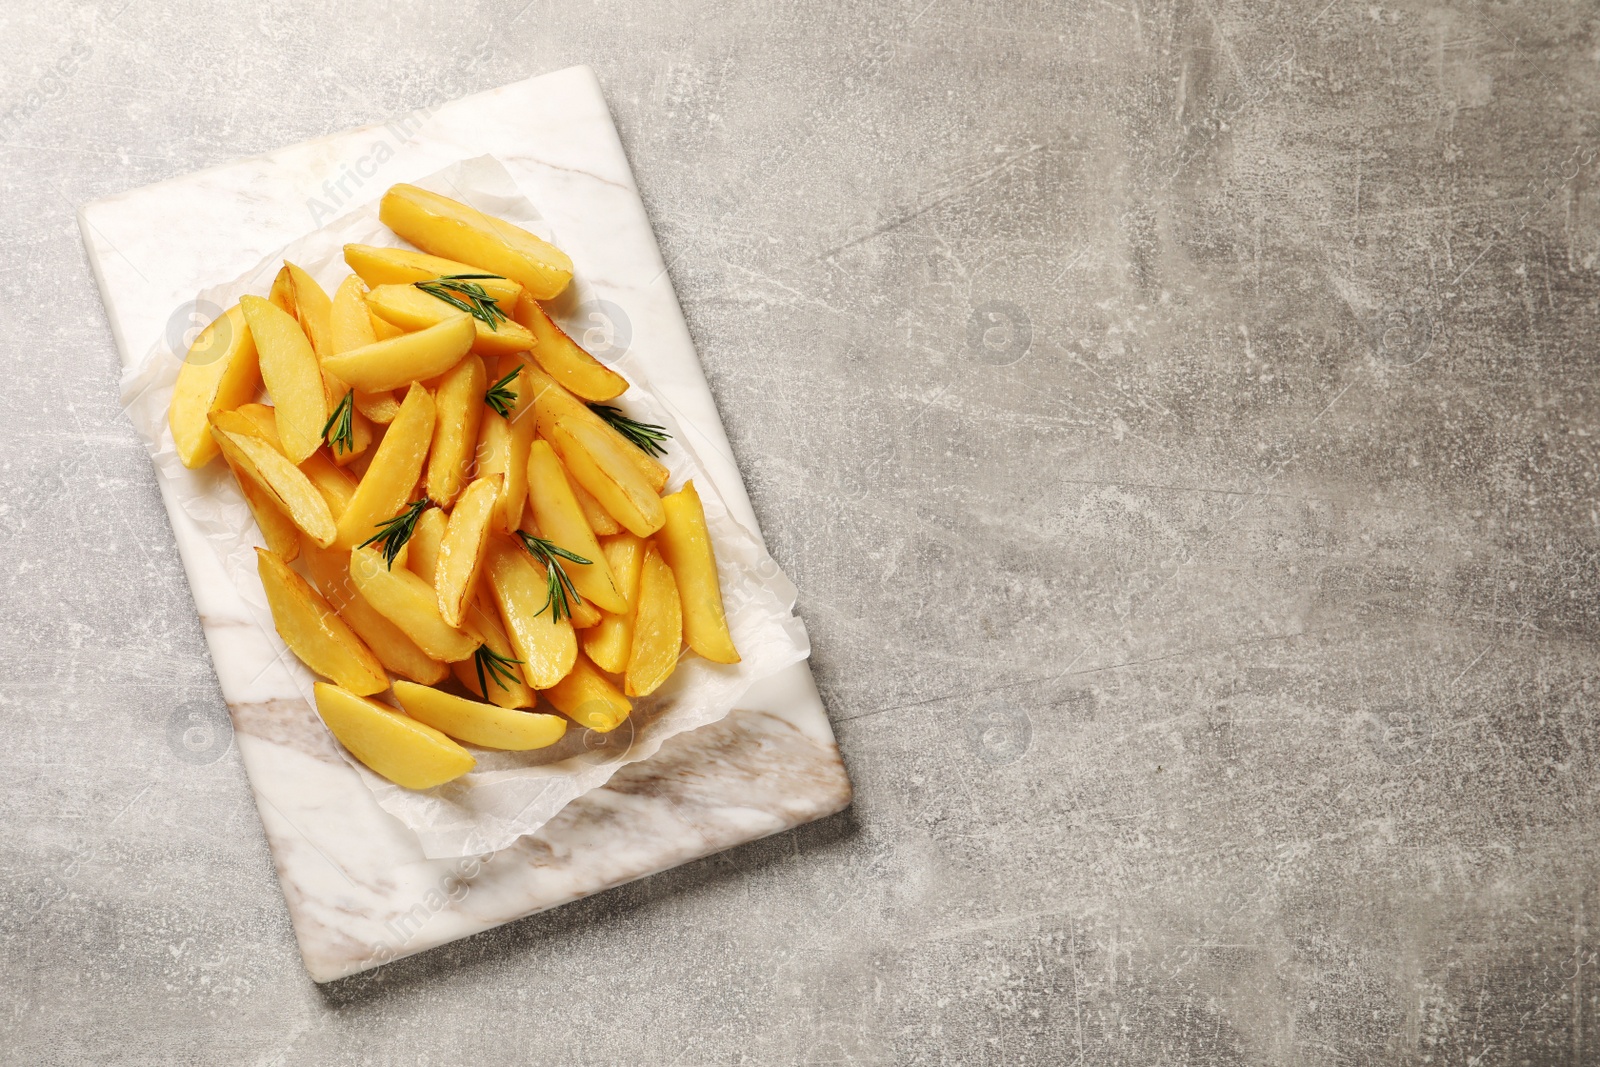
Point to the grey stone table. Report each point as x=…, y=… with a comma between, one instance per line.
x=1180, y=418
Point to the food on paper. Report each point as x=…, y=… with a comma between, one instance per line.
x=404, y=750
x=685, y=545
x=219, y=373
x=478, y=723
x=443, y=227
x=657, y=628
x=462, y=484
x=314, y=632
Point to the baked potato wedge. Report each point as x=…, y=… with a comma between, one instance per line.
x=377, y=266
x=610, y=642
x=330, y=569
x=546, y=645
x=292, y=374
x=552, y=401
x=413, y=308
x=685, y=544
x=426, y=537
x=657, y=628
x=563, y=358
x=459, y=403
x=411, y=357
x=495, y=660
x=441, y=226
x=254, y=457
x=314, y=632
x=599, y=462
x=396, y=465
x=589, y=698
x=408, y=602
x=409, y=753
x=462, y=550
x=219, y=373
x=476, y=723
x=350, y=324
x=559, y=518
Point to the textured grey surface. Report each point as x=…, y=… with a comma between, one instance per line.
x=1180, y=419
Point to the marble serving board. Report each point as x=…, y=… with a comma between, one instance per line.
x=359, y=889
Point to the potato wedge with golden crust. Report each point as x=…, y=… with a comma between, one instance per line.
x=599, y=462
x=313, y=631
x=686, y=546
x=409, y=753
x=330, y=569
x=408, y=602
x=335, y=484
x=348, y=434
x=277, y=529
x=657, y=627
x=598, y=518
x=401, y=266
x=311, y=306
x=546, y=645
x=563, y=358
x=476, y=723
x=426, y=537
x=254, y=457
x=393, y=473
x=506, y=432
x=380, y=408
x=560, y=519
x=496, y=660
x=263, y=419
x=610, y=643
x=589, y=698
x=281, y=534
x=349, y=318
x=521, y=430
x=584, y=615
x=552, y=401
x=381, y=329
x=491, y=455
x=461, y=553
x=411, y=357
x=412, y=308
x=350, y=322
x=219, y=373
x=459, y=402
x=292, y=374
x=444, y=227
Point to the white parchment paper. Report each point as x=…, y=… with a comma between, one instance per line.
x=509, y=794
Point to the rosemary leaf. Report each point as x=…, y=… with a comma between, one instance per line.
x=559, y=591
x=393, y=533
x=490, y=664
x=342, y=425
x=645, y=436
x=460, y=291
x=500, y=396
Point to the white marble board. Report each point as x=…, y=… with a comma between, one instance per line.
x=359, y=890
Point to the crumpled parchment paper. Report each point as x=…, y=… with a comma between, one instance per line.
x=509, y=794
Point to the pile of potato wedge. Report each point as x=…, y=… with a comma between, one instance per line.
x=454, y=511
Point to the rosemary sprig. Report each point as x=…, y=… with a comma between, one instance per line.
x=393, y=533
x=342, y=424
x=500, y=397
x=645, y=436
x=559, y=591
x=462, y=291
x=497, y=667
